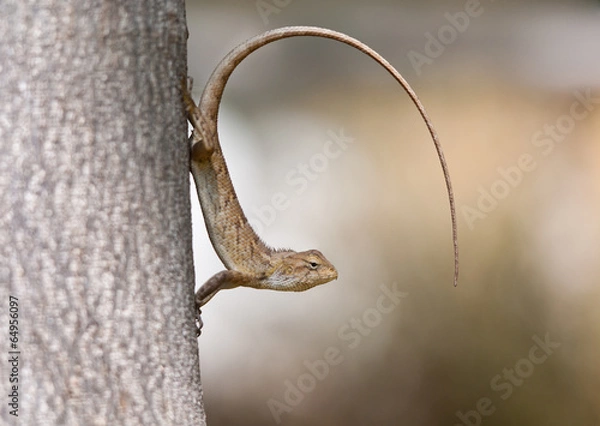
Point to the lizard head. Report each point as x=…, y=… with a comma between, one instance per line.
x=299, y=271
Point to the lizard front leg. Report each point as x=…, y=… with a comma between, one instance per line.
x=219, y=281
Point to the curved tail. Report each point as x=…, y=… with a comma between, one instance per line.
x=211, y=98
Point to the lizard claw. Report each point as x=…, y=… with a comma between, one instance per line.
x=199, y=323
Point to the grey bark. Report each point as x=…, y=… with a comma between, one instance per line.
x=95, y=232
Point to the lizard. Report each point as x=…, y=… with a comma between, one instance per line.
x=250, y=262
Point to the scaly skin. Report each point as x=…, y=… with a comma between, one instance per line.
x=249, y=261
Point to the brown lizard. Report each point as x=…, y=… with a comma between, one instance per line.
x=249, y=261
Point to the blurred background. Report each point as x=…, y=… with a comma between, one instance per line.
x=513, y=91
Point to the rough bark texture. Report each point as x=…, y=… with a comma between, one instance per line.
x=95, y=234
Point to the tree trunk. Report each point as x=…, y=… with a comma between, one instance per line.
x=95, y=232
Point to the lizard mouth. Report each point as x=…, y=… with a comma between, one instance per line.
x=331, y=277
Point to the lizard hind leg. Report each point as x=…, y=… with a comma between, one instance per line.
x=202, y=149
x=201, y=145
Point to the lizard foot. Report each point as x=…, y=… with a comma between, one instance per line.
x=199, y=323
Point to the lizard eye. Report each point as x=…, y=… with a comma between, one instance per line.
x=313, y=265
